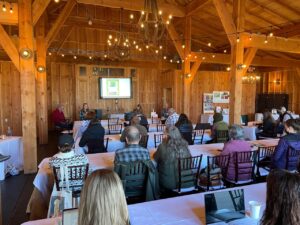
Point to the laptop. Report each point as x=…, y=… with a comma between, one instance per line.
x=224, y=206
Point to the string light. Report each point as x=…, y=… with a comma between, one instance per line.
x=160, y=12
x=11, y=8
x=170, y=17
x=183, y=46
x=160, y=47
x=75, y=57
x=156, y=51
x=90, y=57
x=208, y=44
x=57, y=1
x=147, y=46
x=266, y=40
x=213, y=56
x=143, y=13
x=203, y=58
x=250, y=38
x=4, y=7
x=49, y=53
x=168, y=22
x=105, y=56
x=165, y=57
x=225, y=50
x=228, y=68
x=131, y=16
x=271, y=34
x=62, y=55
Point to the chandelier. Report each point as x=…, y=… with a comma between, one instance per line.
x=119, y=45
x=151, y=23
x=250, y=77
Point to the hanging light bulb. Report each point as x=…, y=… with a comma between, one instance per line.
x=183, y=46
x=62, y=55
x=271, y=34
x=56, y=1
x=170, y=16
x=160, y=12
x=160, y=47
x=4, y=7
x=228, y=68
x=266, y=40
x=156, y=51
x=165, y=57
x=143, y=13
x=147, y=46
x=225, y=50
x=213, y=56
x=250, y=38
x=90, y=22
x=209, y=44
x=131, y=16
x=75, y=57
x=90, y=57
x=238, y=39
x=11, y=8
x=168, y=22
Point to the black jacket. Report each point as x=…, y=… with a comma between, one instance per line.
x=93, y=137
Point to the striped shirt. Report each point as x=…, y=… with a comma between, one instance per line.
x=132, y=153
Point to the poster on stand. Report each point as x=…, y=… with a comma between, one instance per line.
x=208, y=106
x=221, y=97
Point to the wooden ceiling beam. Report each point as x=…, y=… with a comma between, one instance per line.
x=176, y=40
x=248, y=58
x=195, y=67
x=288, y=31
x=194, y=6
x=274, y=43
x=226, y=19
x=8, y=18
x=38, y=8
x=218, y=58
x=9, y=47
x=137, y=5
x=65, y=37
x=60, y=21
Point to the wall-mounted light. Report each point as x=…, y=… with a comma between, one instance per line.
x=241, y=66
x=41, y=69
x=26, y=53
x=188, y=75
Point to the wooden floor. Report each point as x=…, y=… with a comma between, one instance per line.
x=16, y=190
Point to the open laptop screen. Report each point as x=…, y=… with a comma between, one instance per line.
x=224, y=206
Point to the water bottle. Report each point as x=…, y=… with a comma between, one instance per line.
x=9, y=131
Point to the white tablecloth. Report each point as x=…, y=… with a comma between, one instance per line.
x=185, y=210
x=13, y=146
x=208, y=118
x=44, y=179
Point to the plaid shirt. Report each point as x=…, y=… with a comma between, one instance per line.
x=132, y=153
x=172, y=119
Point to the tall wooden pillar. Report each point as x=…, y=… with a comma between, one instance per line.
x=187, y=67
x=41, y=81
x=28, y=91
x=237, y=59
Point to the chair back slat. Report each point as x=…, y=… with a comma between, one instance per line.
x=245, y=163
x=144, y=141
x=292, y=159
x=264, y=154
x=113, y=121
x=198, y=135
x=155, y=120
x=115, y=128
x=217, y=167
x=221, y=136
x=158, y=139
x=188, y=172
x=76, y=175
x=160, y=127
x=133, y=176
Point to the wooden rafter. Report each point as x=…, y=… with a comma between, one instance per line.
x=9, y=18
x=194, y=6
x=194, y=69
x=274, y=43
x=66, y=36
x=226, y=19
x=60, y=21
x=9, y=47
x=137, y=5
x=176, y=40
x=38, y=8
x=288, y=31
x=248, y=58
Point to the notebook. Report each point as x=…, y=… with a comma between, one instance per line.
x=226, y=207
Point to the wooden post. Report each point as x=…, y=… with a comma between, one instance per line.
x=187, y=67
x=41, y=79
x=236, y=73
x=28, y=92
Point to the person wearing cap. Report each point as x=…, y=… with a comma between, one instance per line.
x=66, y=156
x=4, y=157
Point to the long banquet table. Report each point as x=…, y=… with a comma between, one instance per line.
x=187, y=210
x=12, y=146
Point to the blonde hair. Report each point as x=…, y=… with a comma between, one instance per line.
x=102, y=200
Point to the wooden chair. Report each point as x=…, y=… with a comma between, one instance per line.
x=144, y=141
x=113, y=121
x=76, y=176
x=221, y=136
x=198, y=136
x=114, y=128
x=188, y=173
x=264, y=155
x=133, y=176
x=237, y=199
x=203, y=126
x=292, y=159
x=160, y=127
x=158, y=139
x=155, y=120
x=217, y=167
x=244, y=164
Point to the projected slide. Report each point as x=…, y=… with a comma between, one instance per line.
x=115, y=87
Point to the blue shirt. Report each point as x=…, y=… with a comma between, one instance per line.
x=132, y=153
x=280, y=154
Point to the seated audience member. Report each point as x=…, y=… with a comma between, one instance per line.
x=285, y=115
x=283, y=199
x=93, y=136
x=166, y=156
x=133, y=152
x=58, y=118
x=269, y=126
x=218, y=124
x=172, y=118
x=185, y=127
x=102, y=200
x=135, y=121
x=66, y=156
x=164, y=111
x=236, y=143
x=291, y=140
x=138, y=110
x=83, y=112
